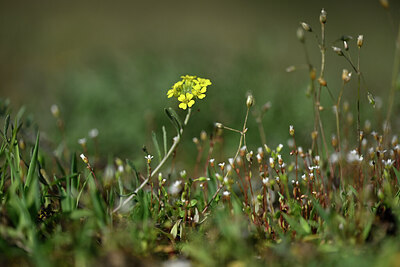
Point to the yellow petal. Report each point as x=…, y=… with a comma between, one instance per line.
x=191, y=103
x=183, y=105
x=182, y=98
x=201, y=96
x=189, y=96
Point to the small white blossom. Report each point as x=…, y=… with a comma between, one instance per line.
x=175, y=188
x=226, y=193
x=388, y=163
x=93, y=133
x=82, y=141
x=353, y=156
x=265, y=181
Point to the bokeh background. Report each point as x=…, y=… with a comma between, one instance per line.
x=108, y=64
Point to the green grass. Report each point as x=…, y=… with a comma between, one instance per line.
x=228, y=199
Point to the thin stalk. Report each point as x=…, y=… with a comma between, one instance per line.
x=396, y=66
x=177, y=139
x=358, y=101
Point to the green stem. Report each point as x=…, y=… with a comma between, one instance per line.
x=177, y=139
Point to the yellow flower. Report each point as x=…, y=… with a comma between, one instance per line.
x=188, y=78
x=199, y=91
x=204, y=82
x=186, y=100
x=188, y=90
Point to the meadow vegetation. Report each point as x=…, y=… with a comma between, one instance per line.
x=335, y=202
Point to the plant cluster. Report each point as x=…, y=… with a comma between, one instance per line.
x=278, y=205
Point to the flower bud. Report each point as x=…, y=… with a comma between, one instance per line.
x=322, y=16
x=291, y=130
x=250, y=101
x=306, y=27
x=203, y=135
x=337, y=50
x=219, y=125
x=346, y=75
x=360, y=40
x=84, y=158
x=322, y=82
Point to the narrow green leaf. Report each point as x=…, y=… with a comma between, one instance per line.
x=165, y=140
x=6, y=125
x=397, y=173
x=32, y=186
x=156, y=146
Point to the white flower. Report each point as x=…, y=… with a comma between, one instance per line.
x=231, y=161
x=304, y=177
x=334, y=158
x=55, y=110
x=388, y=163
x=84, y=158
x=265, y=181
x=82, y=141
x=175, y=187
x=226, y=193
x=353, y=156
x=149, y=158
x=93, y=133
x=259, y=158
x=121, y=168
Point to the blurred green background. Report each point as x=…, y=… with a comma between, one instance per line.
x=108, y=65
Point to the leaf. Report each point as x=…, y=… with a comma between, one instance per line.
x=156, y=146
x=304, y=224
x=397, y=173
x=174, y=119
x=165, y=140
x=32, y=186
x=174, y=230
x=192, y=203
x=6, y=125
